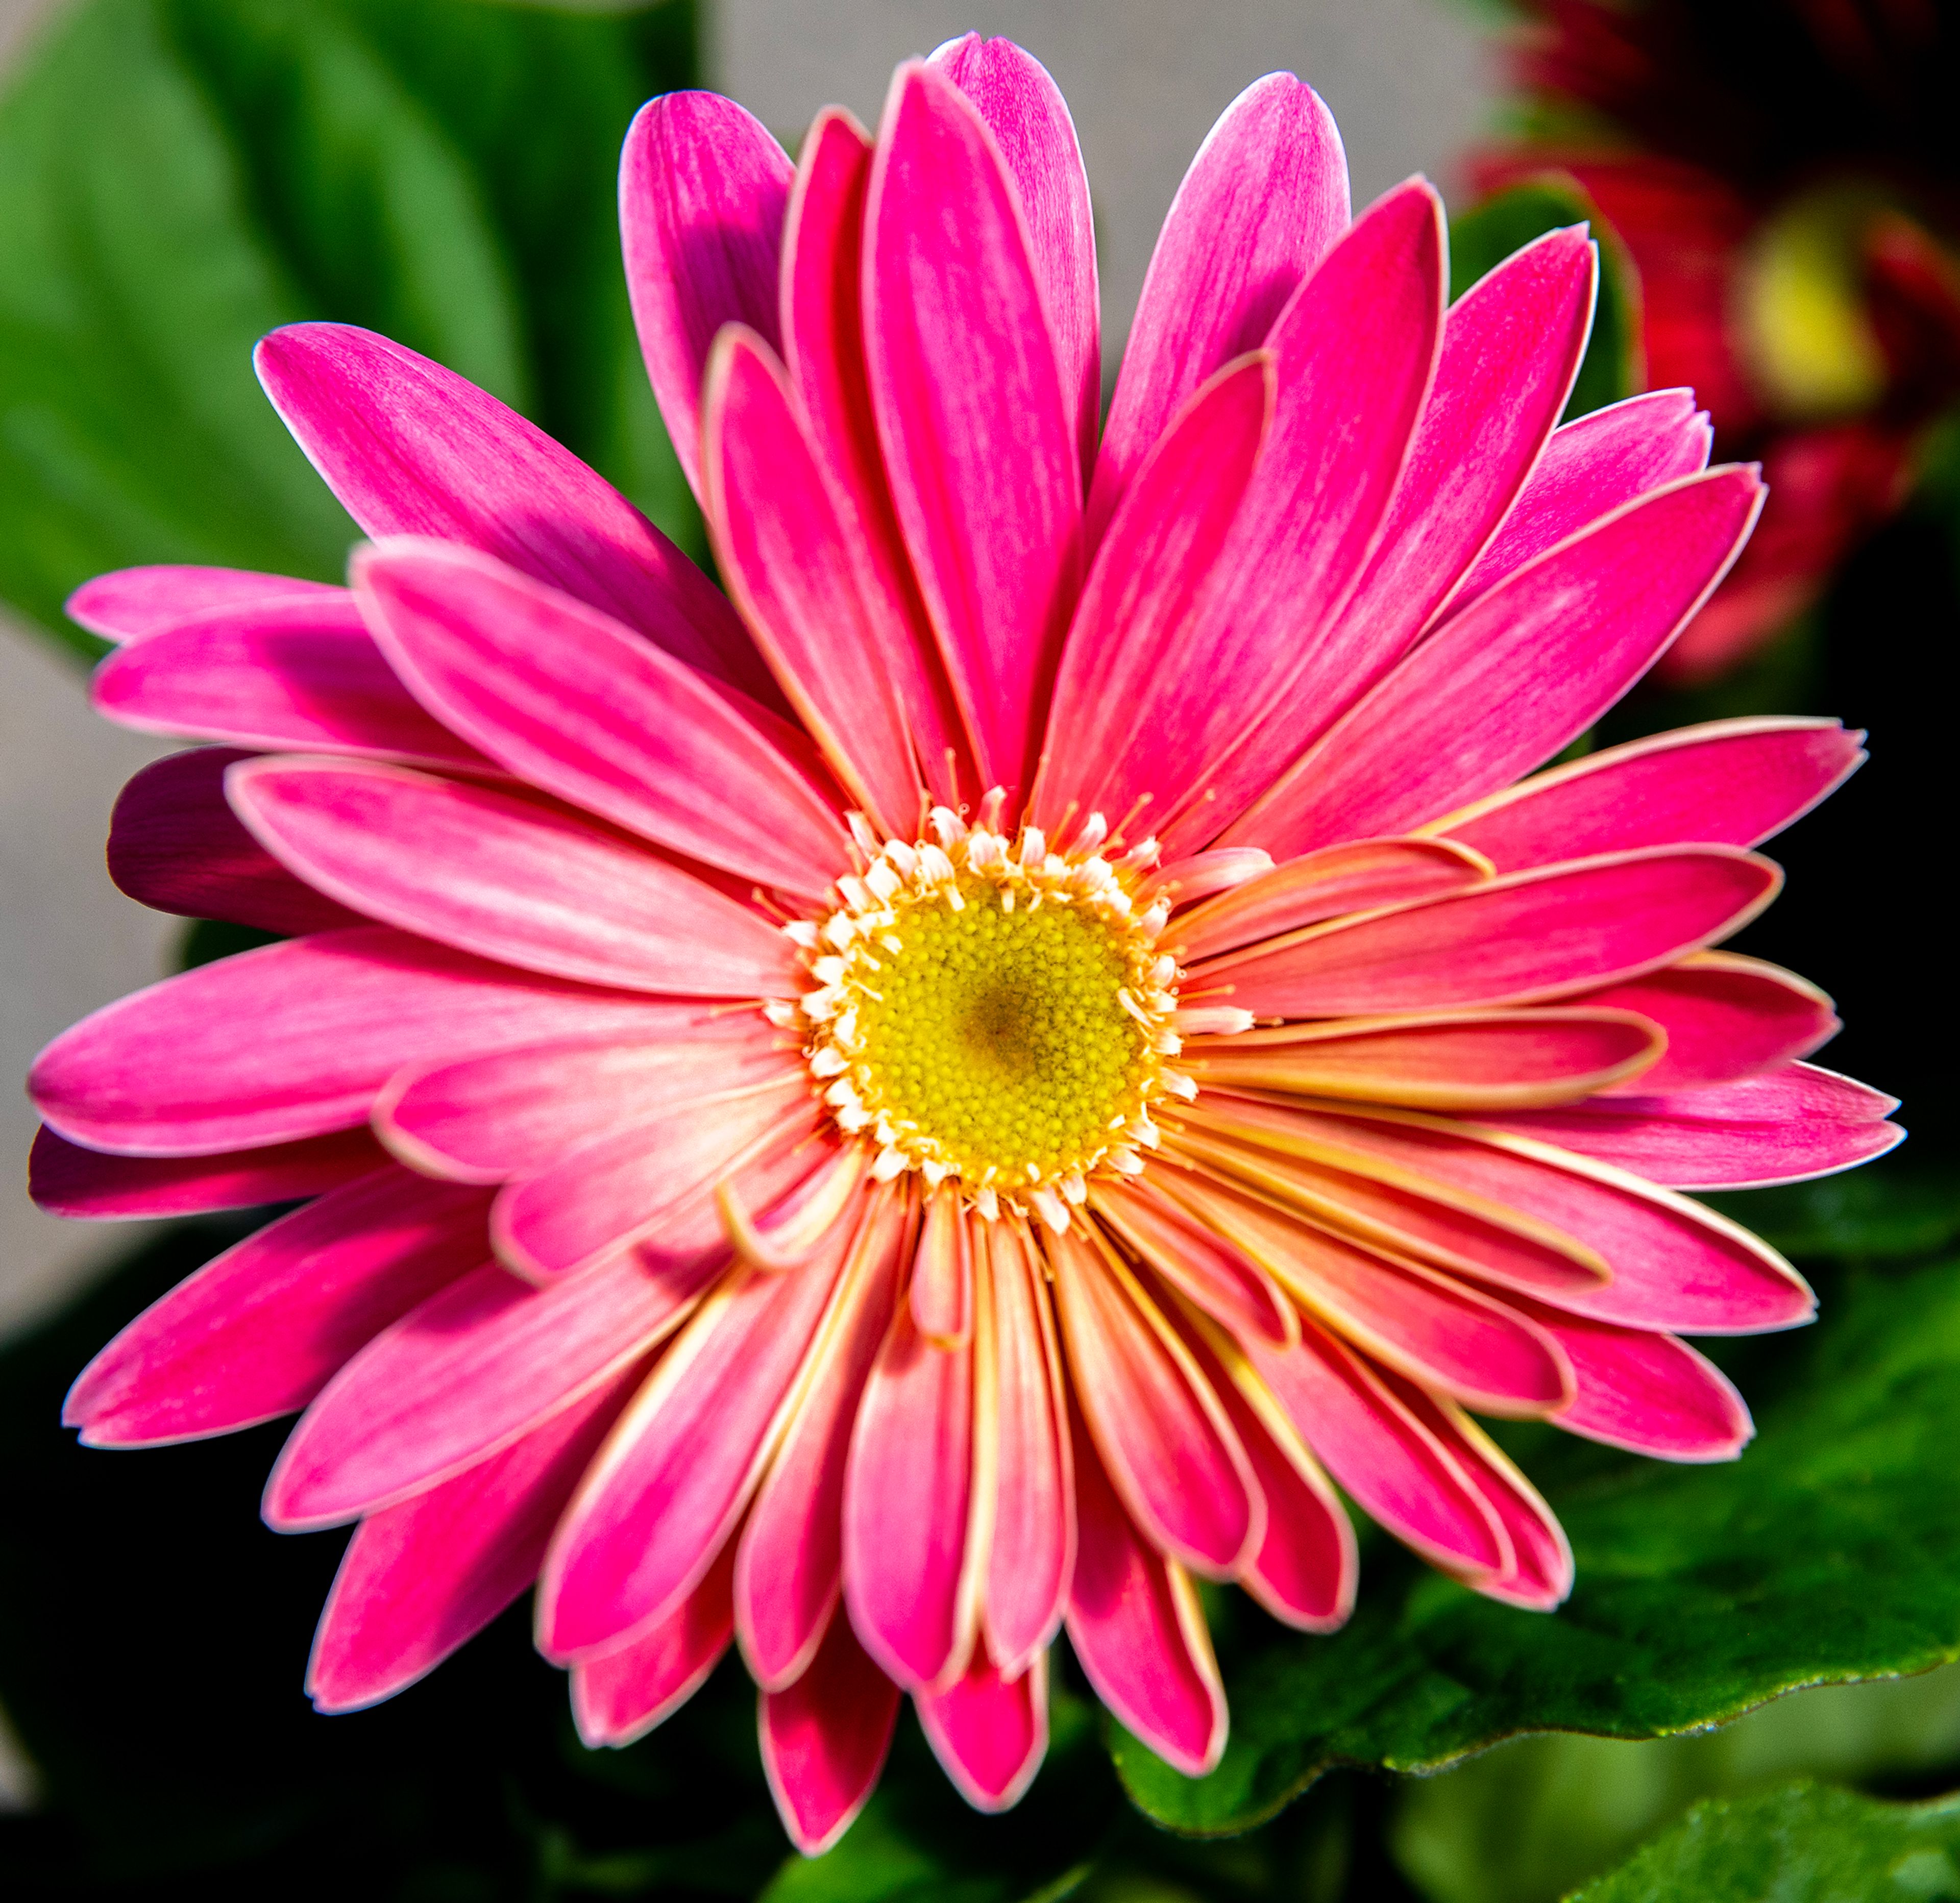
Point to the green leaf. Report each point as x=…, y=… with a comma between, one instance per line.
x=1486, y=234
x=179, y=176
x=1802, y=1844
x=1830, y=1552
x=1896, y=1209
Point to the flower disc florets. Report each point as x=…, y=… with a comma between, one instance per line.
x=986, y=1010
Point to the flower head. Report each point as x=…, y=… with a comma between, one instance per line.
x=945, y=1092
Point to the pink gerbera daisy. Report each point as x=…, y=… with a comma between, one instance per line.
x=937, y=1095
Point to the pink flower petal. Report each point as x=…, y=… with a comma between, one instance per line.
x=1032, y=1554
x=1106, y=728
x=567, y=698
x=128, y=604
x=985, y=474
x=824, y=1739
x=1590, y=467
x=620, y=1696
x=1523, y=939
x=294, y=1040
x=789, y=1568
x=175, y=845
x=1025, y=111
x=1338, y=879
x=703, y=189
x=1137, y=1628
x=823, y=345
x=1395, y=1469
x=1163, y=1438
x=1264, y=199
x=515, y=1112
x=788, y=559
x=420, y=1579
x=941, y=1290
x=412, y=448
x=989, y=1732
x=303, y=673
x=1780, y=1126
x=1726, y=1016
x=1539, y=658
x=257, y=1332
x=507, y=878
x=1731, y=782
x=908, y=1495
x=67, y=1180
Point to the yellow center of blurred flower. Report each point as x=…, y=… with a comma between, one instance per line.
x=985, y=1010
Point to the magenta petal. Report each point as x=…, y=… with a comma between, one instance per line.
x=412, y=448
x=419, y=1580
x=664, y=1497
x=1264, y=199
x=128, y=604
x=1730, y=783
x=256, y=1332
x=67, y=1180
x=302, y=674
x=507, y=878
x=703, y=189
x=1538, y=660
x=619, y=1696
x=989, y=1733
x=1025, y=111
x=294, y=1040
x=1138, y=1630
x=175, y=845
x=983, y=460
x=824, y=1739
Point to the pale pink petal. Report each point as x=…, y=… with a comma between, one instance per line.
x=567, y=698
x=175, y=845
x=1500, y=1060
x=667, y=1491
x=985, y=474
x=703, y=189
x=620, y=1696
x=1025, y=111
x=1354, y=352
x=908, y=1495
x=1526, y=938
x=1780, y=1126
x=1647, y=1392
x=507, y=878
x=256, y=1332
x=785, y=552
x=824, y=1739
x=514, y=1113
x=1356, y=877
x=989, y=1732
x=1393, y=1467
x=128, y=604
x=412, y=448
x=823, y=345
x=419, y=1579
x=1164, y=1439
x=1137, y=1628
x=1032, y=1551
x=1731, y=782
x=67, y=1180
x=294, y=1040
x=1590, y=467
x=1507, y=683
x=1726, y=1016
x=1142, y=590
x=941, y=1290
x=1202, y=875
x=1264, y=199
x=303, y=673
x=789, y=1568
